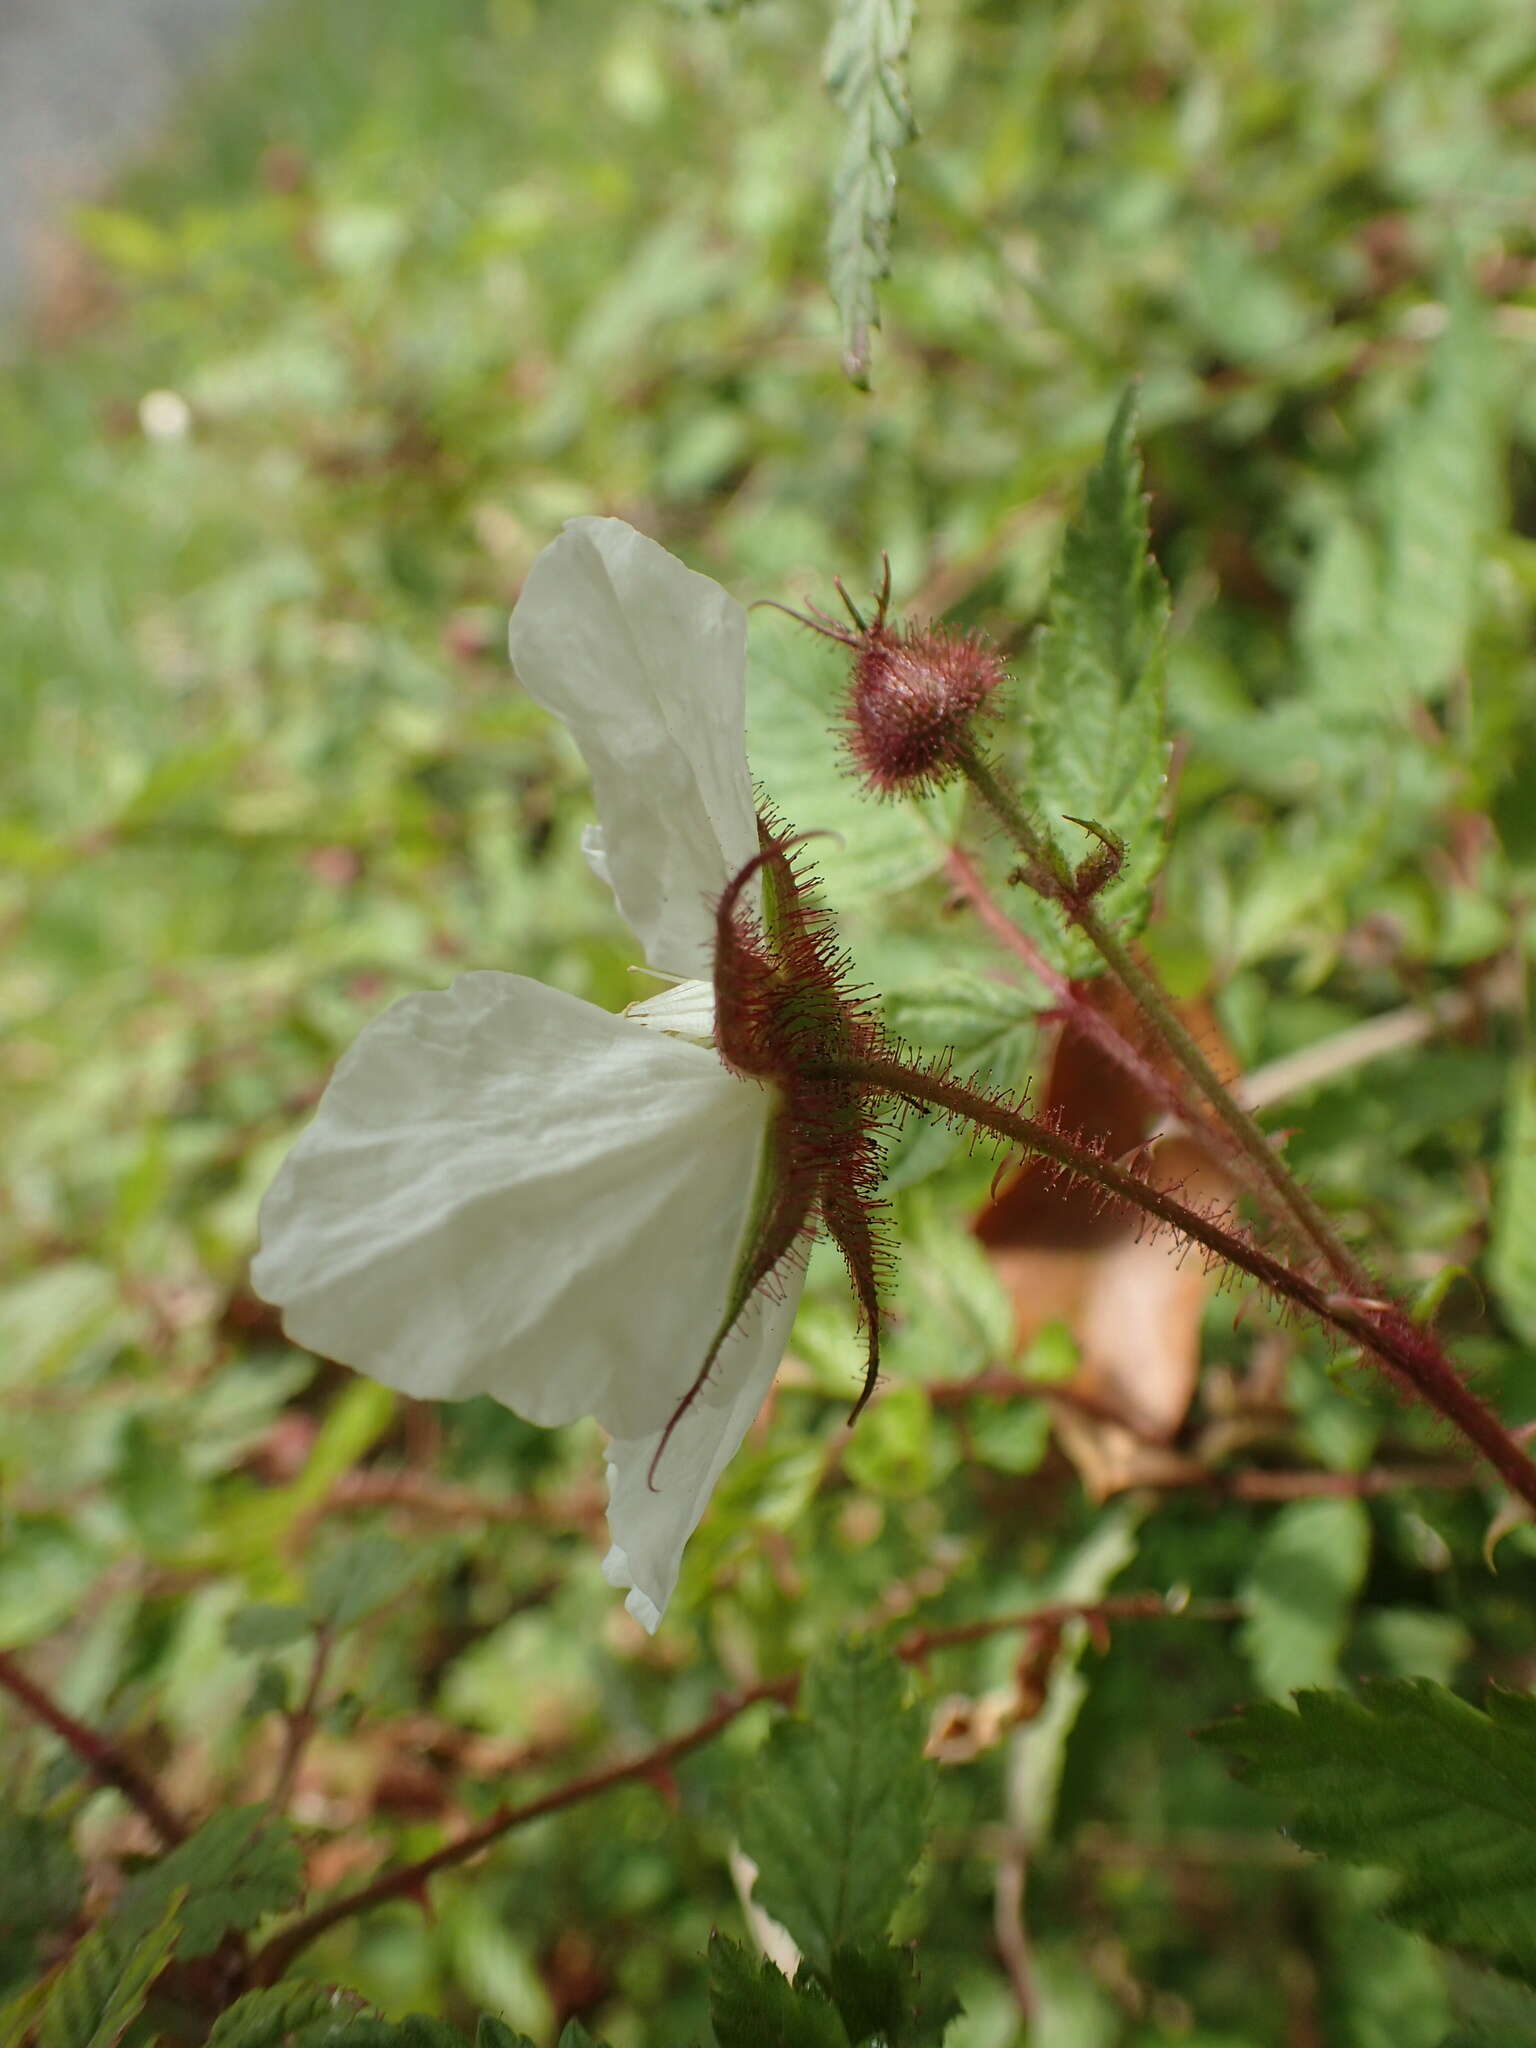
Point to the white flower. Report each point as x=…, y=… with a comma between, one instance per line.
x=507, y=1191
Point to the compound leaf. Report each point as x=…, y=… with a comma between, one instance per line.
x=278, y=2014
x=754, y=2005
x=878, y=1995
x=834, y=1821
x=1093, y=701
x=238, y=1867
x=1413, y=1779
x=102, y=1989
x=866, y=73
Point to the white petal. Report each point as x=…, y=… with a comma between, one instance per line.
x=686, y=1010
x=507, y=1191
x=650, y=1525
x=595, y=853
x=646, y=663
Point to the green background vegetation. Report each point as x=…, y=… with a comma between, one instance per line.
x=432, y=278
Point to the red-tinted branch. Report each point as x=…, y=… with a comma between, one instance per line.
x=1047, y=870
x=303, y=1721
x=1085, y=1016
x=105, y=1762
x=419, y=1494
x=1127, y=1607
x=1258, y=1484
x=1410, y=1353
x=410, y=1879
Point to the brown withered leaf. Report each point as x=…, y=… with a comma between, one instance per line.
x=1131, y=1297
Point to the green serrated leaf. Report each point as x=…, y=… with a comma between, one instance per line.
x=968, y=1013
x=835, y=1817
x=357, y=1577
x=19, y=2015
x=1438, y=484
x=753, y=2005
x=1093, y=698
x=416, y=2030
x=572, y=2035
x=1387, y=608
x=279, y=2014
x=41, y=1886
x=865, y=69
x=1412, y=1779
x=1512, y=1254
x=264, y=1626
x=45, y=1569
x=879, y=1998
x=497, y=2034
x=238, y=1867
x=1338, y=612
x=1299, y=1594
x=102, y=1988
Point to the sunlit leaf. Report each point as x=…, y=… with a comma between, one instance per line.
x=865, y=71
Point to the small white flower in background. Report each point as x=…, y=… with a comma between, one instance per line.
x=507, y=1191
x=165, y=416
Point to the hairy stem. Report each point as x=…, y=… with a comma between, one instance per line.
x=1410, y=1354
x=103, y=1759
x=1087, y=1018
x=1283, y=1192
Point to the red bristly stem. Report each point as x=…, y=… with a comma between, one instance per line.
x=303, y=1721
x=1409, y=1352
x=1282, y=1192
x=410, y=1879
x=105, y=1762
x=1088, y=1019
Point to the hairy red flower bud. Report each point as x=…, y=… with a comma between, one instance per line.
x=785, y=1012
x=914, y=703
x=916, y=695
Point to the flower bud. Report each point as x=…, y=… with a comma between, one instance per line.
x=914, y=703
x=916, y=697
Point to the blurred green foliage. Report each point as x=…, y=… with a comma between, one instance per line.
x=401, y=294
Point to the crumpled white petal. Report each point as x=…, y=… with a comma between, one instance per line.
x=645, y=661
x=508, y=1191
x=650, y=1526
x=686, y=1010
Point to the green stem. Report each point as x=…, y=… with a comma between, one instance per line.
x=1410, y=1354
x=1285, y=1194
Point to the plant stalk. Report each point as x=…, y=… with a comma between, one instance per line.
x=1409, y=1353
x=1285, y=1195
